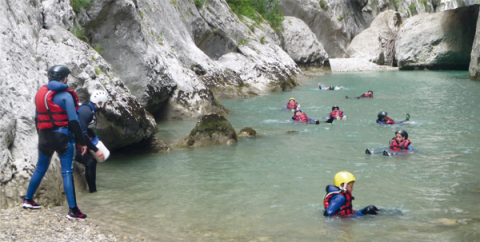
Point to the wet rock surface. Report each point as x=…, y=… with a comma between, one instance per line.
x=247, y=132
x=211, y=129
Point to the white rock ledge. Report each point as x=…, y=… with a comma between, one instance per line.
x=354, y=64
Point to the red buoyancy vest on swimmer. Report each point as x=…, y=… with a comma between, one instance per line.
x=292, y=106
x=394, y=145
x=390, y=121
x=302, y=117
x=49, y=114
x=367, y=95
x=336, y=113
x=344, y=210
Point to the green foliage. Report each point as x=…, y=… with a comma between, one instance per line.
x=323, y=4
x=140, y=13
x=262, y=40
x=341, y=17
x=159, y=40
x=424, y=3
x=98, y=48
x=396, y=4
x=242, y=42
x=77, y=5
x=412, y=8
x=97, y=70
x=199, y=3
x=92, y=57
x=173, y=1
x=258, y=9
x=79, y=32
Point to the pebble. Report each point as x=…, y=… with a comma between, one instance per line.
x=18, y=224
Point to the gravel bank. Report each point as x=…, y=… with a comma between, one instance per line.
x=353, y=64
x=18, y=224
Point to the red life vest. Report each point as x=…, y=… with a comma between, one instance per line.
x=367, y=95
x=390, y=121
x=292, y=106
x=394, y=145
x=344, y=210
x=302, y=117
x=49, y=114
x=336, y=113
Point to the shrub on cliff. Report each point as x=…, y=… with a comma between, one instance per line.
x=268, y=10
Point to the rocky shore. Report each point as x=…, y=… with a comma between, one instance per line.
x=18, y=224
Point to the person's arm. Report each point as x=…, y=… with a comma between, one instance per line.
x=84, y=118
x=66, y=102
x=410, y=148
x=335, y=203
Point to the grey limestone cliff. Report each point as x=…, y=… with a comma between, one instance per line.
x=474, y=68
x=437, y=41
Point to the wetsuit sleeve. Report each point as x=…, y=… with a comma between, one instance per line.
x=84, y=118
x=410, y=148
x=311, y=119
x=335, y=203
x=74, y=126
x=65, y=101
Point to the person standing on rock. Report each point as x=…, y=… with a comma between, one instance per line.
x=87, y=115
x=58, y=129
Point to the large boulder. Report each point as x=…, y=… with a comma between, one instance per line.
x=377, y=43
x=335, y=23
x=408, y=8
x=302, y=45
x=211, y=129
x=474, y=69
x=437, y=41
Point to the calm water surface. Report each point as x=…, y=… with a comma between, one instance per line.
x=271, y=188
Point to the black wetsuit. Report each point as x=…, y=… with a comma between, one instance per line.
x=86, y=114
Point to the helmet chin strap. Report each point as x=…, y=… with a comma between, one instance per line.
x=344, y=187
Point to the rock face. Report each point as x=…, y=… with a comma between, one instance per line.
x=334, y=23
x=474, y=69
x=302, y=45
x=28, y=51
x=211, y=129
x=377, y=43
x=172, y=55
x=247, y=132
x=437, y=41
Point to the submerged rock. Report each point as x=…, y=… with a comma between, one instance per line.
x=211, y=129
x=247, y=132
x=439, y=41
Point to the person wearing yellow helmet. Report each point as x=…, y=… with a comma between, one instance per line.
x=338, y=198
x=292, y=104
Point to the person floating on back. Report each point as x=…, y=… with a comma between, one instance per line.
x=292, y=105
x=369, y=94
x=338, y=198
x=302, y=117
x=400, y=142
x=382, y=118
x=330, y=88
x=336, y=114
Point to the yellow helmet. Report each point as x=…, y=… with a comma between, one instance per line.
x=291, y=99
x=343, y=177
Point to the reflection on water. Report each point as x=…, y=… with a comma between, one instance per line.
x=270, y=188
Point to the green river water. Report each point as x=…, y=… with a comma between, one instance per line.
x=271, y=188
